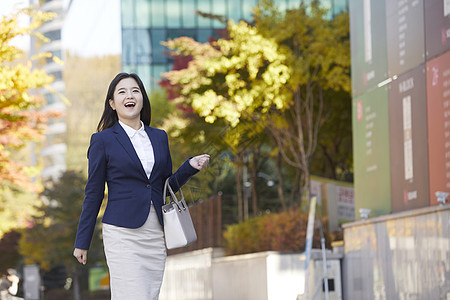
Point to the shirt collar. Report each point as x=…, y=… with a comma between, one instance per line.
x=131, y=131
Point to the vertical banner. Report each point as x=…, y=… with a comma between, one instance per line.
x=368, y=44
x=405, y=35
x=437, y=27
x=408, y=140
x=438, y=103
x=371, y=151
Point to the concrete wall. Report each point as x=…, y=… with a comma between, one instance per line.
x=399, y=256
x=207, y=274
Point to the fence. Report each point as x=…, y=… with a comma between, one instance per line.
x=207, y=219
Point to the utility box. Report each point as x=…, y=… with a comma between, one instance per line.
x=315, y=279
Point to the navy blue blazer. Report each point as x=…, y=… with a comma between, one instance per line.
x=112, y=159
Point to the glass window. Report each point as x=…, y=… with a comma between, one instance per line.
x=53, y=35
x=247, y=6
x=143, y=46
x=129, y=68
x=127, y=9
x=234, y=10
x=174, y=33
x=327, y=5
x=173, y=12
x=340, y=6
x=282, y=5
x=219, y=8
x=143, y=13
x=205, y=7
x=49, y=60
x=157, y=10
x=144, y=73
x=136, y=46
x=57, y=75
x=129, y=52
x=50, y=98
x=157, y=36
x=203, y=34
x=157, y=70
x=189, y=16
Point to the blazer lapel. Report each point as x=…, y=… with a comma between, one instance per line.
x=125, y=141
x=156, y=152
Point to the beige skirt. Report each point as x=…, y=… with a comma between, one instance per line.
x=136, y=259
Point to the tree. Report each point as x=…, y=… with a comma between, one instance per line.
x=50, y=239
x=9, y=257
x=234, y=82
x=20, y=120
x=317, y=50
x=231, y=78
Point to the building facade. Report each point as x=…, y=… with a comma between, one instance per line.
x=53, y=151
x=146, y=23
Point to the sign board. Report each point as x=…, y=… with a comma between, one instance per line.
x=408, y=140
x=438, y=104
x=368, y=45
x=371, y=151
x=405, y=35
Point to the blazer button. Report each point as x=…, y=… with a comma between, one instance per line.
x=149, y=186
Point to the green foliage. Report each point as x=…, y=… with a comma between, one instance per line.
x=161, y=108
x=284, y=231
x=50, y=240
x=318, y=49
x=16, y=207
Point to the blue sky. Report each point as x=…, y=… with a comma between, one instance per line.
x=91, y=28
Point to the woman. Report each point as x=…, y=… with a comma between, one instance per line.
x=134, y=161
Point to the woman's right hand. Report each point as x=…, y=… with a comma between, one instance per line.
x=81, y=255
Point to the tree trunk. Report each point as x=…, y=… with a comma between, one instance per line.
x=295, y=185
x=253, y=181
x=280, y=181
x=239, y=186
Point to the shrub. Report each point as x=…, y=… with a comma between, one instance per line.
x=284, y=231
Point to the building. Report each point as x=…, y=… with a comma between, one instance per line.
x=53, y=150
x=145, y=23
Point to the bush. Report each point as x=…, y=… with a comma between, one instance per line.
x=284, y=231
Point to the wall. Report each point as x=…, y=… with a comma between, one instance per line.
x=399, y=256
x=207, y=274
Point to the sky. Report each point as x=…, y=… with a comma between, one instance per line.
x=91, y=28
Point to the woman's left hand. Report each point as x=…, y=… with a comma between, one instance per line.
x=199, y=162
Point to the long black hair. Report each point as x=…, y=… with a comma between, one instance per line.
x=109, y=116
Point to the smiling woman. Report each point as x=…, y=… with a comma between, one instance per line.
x=127, y=102
x=134, y=160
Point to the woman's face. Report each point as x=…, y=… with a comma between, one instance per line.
x=128, y=100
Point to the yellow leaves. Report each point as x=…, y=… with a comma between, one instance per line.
x=232, y=78
x=20, y=118
x=10, y=29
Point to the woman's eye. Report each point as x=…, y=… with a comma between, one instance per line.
x=137, y=91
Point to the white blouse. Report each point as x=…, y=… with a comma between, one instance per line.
x=142, y=145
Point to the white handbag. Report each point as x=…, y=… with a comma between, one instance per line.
x=178, y=228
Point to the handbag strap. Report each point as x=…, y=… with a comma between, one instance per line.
x=172, y=194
